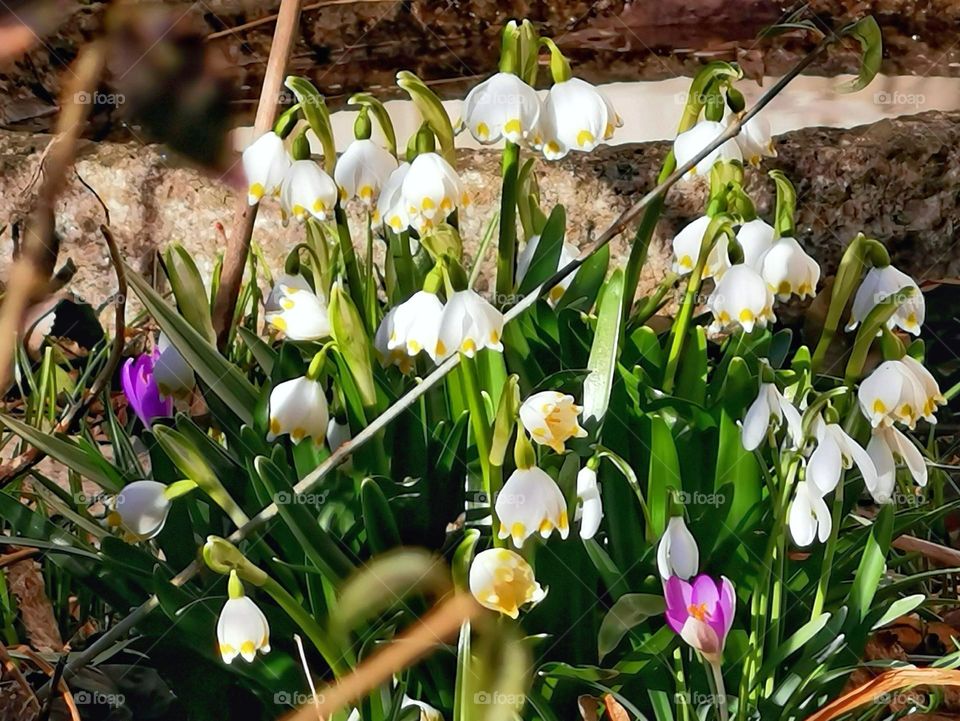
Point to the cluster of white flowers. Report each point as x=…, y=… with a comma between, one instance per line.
x=751, y=144
x=574, y=115
x=421, y=194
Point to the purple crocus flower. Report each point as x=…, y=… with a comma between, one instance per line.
x=701, y=612
x=141, y=389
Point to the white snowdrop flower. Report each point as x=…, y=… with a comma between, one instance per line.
x=501, y=580
x=686, y=250
x=755, y=140
x=770, y=407
x=298, y=407
x=809, y=516
x=140, y=509
x=242, y=629
x=575, y=116
x=741, y=297
x=416, y=324
x=690, y=143
x=892, y=393
x=886, y=445
x=296, y=310
x=835, y=452
x=880, y=283
x=677, y=553
x=568, y=253
x=530, y=502
x=755, y=237
x=265, y=163
x=551, y=419
x=307, y=190
x=502, y=106
x=931, y=389
x=363, y=170
x=173, y=374
x=468, y=324
x=337, y=433
x=391, y=208
x=381, y=342
x=590, y=509
x=788, y=269
x=427, y=712
x=431, y=190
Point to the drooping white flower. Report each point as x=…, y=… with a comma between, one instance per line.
x=427, y=712
x=307, y=190
x=741, y=297
x=835, y=452
x=298, y=407
x=770, y=407
x=809, y=516
x=265, y=163
x=931, y=389
x=690, y=143
x=686, y=250
x=531, y=502
x=381, y=342
x=468, y=324
x=880, y=283
x=788, y=269
x=363, y=170
x=141, y=509
x=886, y=445
x=391, y=208
x=892, y=393
x=431, y=190
x=174, y=376
x=575, y=116
x=501, y=580
x=755, y=237
x=242, y=629
x=755, y=140
x=502, y=106
x=551, y=419
x=337, y=433
x=590, y=509
x=568, y=253
x=416, y=324
x=296, y=310
x=677, y=553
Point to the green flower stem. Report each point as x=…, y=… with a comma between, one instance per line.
x=349, y=257
x=719, y=689
x=478, y=420
x=482, y=250
x=683, y=695
x=507, y=240
x=313, y=630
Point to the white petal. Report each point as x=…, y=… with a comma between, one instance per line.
x=678, y=554
x=575, y=116
x=689, y=144
x=591, y=510
x=142, y=508
x=825, y=466
x=755, y=237
x=757, y=421
x=882, y=457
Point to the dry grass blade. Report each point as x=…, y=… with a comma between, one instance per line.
x=885, y=683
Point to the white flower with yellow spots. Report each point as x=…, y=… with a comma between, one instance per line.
x=686, y=250
x=265, y=163
x=298, y=407
x=742, y=298
x=788, y=270
x=887, y=444
x=893, y=393
x=381, y=342
x=755, y=140
x=502, y=106
x=575, y=116
x=416, y=324
x=468, y=324
x=880, y=283
x=501, y=580
x=531, y=502
x=689, y=144
x=174, y=376
x=931, y=389
x=295, y=309
x=551, y=419
x=391, y=208
x=755, y=238
x=242, y=629
x=770, y=407
x=307, y=190
x=363, y=170
x=140, y=509
x=431, y=190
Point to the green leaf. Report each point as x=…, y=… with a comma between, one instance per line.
x=579, y=673
x=900, y=607
x=603, y=354
x=188, y=289
x=547, y=254
x=73, y=456
x=664, y=474
x=872, y=564
x=378, y=520
x=262, y=352
x=221, y=377
x=793, y=644
x=586, y=283
x=628, y=611
x=692, y=378
x=867, y=32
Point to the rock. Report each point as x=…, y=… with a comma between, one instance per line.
x=892, y=180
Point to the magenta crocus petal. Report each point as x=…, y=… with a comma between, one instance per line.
x=705, y=592
x=677, y=594
x=141, y=389
x=728, y=603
